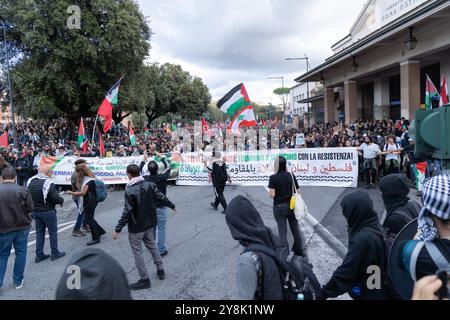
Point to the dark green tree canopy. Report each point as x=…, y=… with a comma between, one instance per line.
x=59, y=71
x=170, y=89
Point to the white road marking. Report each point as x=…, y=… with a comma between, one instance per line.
x=59, y=225
x=71, y=225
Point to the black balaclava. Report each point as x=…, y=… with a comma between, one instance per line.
x=395, y=191
x=358, y=210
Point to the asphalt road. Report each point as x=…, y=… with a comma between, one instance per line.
x=202, y=254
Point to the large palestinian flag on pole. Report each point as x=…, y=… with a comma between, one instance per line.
x=236, y=104
x=430, y=94
x=106, y=108
x=81, y=133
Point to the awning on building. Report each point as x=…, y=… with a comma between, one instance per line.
x=311, y=99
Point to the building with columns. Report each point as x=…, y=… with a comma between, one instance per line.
x=379, y=70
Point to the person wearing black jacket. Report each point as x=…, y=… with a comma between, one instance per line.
x=399, y=209
x=366, y=248
x=23, y=166
x=258, y=276
x=139, y=214
x=161, y=211
x=219, y=177
x=45, y=198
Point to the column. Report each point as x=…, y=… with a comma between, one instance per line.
x=410, y=88
x=381, y=97
x=329, y=109
x=351, y=101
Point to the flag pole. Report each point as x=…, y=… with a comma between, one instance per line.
x=93, y=130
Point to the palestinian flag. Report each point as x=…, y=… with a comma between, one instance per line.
x=105, y=109
x=444, y=92
x=245, y=118
x=430, y=94
x=132, y=137
x=84, y=146
x=234, y=101
x=81, y=133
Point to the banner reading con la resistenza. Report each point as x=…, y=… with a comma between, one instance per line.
x=332, y=167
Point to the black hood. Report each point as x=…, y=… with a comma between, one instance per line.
x=395, y=191
x=102, y=278
x=246, y=224
x=358, y=210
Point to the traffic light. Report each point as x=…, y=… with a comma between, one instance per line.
x=432, y=134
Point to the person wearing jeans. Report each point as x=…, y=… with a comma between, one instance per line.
x=81, y=221
x=45, y=198
x=161, y=215
x=16, y=205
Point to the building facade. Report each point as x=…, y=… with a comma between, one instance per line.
x=379, y=70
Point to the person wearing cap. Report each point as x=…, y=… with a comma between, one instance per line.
x=81, y=221
x=431, y=251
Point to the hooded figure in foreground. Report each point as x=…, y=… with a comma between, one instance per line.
x=247, y=227
x=101, y=278
x=366, y=248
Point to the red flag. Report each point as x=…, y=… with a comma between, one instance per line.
x=444, y=92
x=105, y=111
x=204, y=126
x=102, y=146
x=4, y=140
x=84, y=146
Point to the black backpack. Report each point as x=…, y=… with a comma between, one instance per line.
x=297, y=274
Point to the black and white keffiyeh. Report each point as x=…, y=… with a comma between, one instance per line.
x=436, y=202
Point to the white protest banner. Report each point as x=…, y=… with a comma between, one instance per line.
x=333, y=167
x=110, y=170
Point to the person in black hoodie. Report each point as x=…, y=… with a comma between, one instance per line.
x=399, y=209
x=258, y=277
x=220, y=176
x=101, y=278
x=139, y=214
x=366, y=248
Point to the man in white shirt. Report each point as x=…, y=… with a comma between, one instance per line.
x=370, y=152
x=392, y=150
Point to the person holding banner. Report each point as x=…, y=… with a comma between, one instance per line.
x=281, y=186
x=370, y=153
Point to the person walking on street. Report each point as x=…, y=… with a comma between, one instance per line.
x=87, y=201
x=161, y=210
x=281, y=189
x=16, y=205
x=45, y=198
x=23, y=167
x=139, y=214
x=220, y=177
x=370, y=153
x=81, y=221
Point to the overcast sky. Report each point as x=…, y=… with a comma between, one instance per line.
x=226, y=42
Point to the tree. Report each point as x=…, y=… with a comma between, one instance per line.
x=170, y=89
x=59, y=71
x=283, y=93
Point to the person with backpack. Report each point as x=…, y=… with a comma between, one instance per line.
x=366, y=248
x=282, y=186
x=400, y=210
x=431, y=251
x=220, y=176
x=392, y=151
x=45, y=198
x=263, y=270
x=88, y=200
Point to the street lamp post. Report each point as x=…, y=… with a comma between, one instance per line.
x=284, y=104
x=8, y=72
x=307, y=82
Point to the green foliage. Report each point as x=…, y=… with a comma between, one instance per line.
x=170, y=89
x=63, y=72
x=281, y=91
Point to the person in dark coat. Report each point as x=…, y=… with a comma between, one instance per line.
x=365, y=249
x=220, y=176
x=400, y=210
x=247, y=227
x=23, y=166
x=101, y=278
